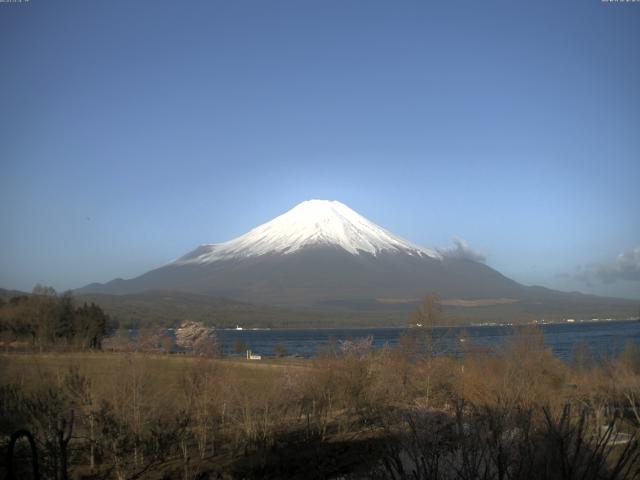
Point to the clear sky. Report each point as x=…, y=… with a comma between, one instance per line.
x=133, y=131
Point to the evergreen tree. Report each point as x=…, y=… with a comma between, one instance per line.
x=64, y=329
x=46, y=318
x=90, y=325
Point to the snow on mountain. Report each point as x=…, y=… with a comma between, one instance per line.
x=310, y=223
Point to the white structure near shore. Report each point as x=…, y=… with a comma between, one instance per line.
x=251, y=356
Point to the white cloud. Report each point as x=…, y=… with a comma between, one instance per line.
x=462, y=250
x=626, y=266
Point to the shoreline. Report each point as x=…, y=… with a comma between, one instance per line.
x=407, y=327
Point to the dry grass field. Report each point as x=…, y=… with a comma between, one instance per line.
x=31, y=369
x=408, y=412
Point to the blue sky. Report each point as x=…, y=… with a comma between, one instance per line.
x=130, y=132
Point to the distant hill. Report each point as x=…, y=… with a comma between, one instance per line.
x=170, y=308
x=8, y=294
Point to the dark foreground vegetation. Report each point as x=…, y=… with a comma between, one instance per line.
x=516, y=412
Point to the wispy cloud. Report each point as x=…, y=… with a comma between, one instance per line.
x=626, y=266
x=462, y=250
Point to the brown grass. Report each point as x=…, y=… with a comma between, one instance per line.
x=363, y=412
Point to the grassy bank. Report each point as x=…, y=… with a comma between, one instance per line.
x=30, y=370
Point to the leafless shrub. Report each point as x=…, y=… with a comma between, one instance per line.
x=358, y=347
x=513, y=413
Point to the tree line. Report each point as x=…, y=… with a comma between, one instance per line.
x=46, y=319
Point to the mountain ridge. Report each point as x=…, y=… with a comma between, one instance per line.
x=321, y=253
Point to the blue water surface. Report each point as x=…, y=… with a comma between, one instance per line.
x=604, y=338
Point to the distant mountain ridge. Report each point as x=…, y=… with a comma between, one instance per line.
x=323, y=254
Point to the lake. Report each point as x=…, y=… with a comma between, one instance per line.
x=603, y=337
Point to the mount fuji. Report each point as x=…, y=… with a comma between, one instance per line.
x=323, y=254
x=312, y=223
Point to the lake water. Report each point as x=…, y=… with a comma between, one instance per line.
x=603, y=338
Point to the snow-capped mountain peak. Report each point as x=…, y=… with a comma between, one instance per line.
x=310, y=223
